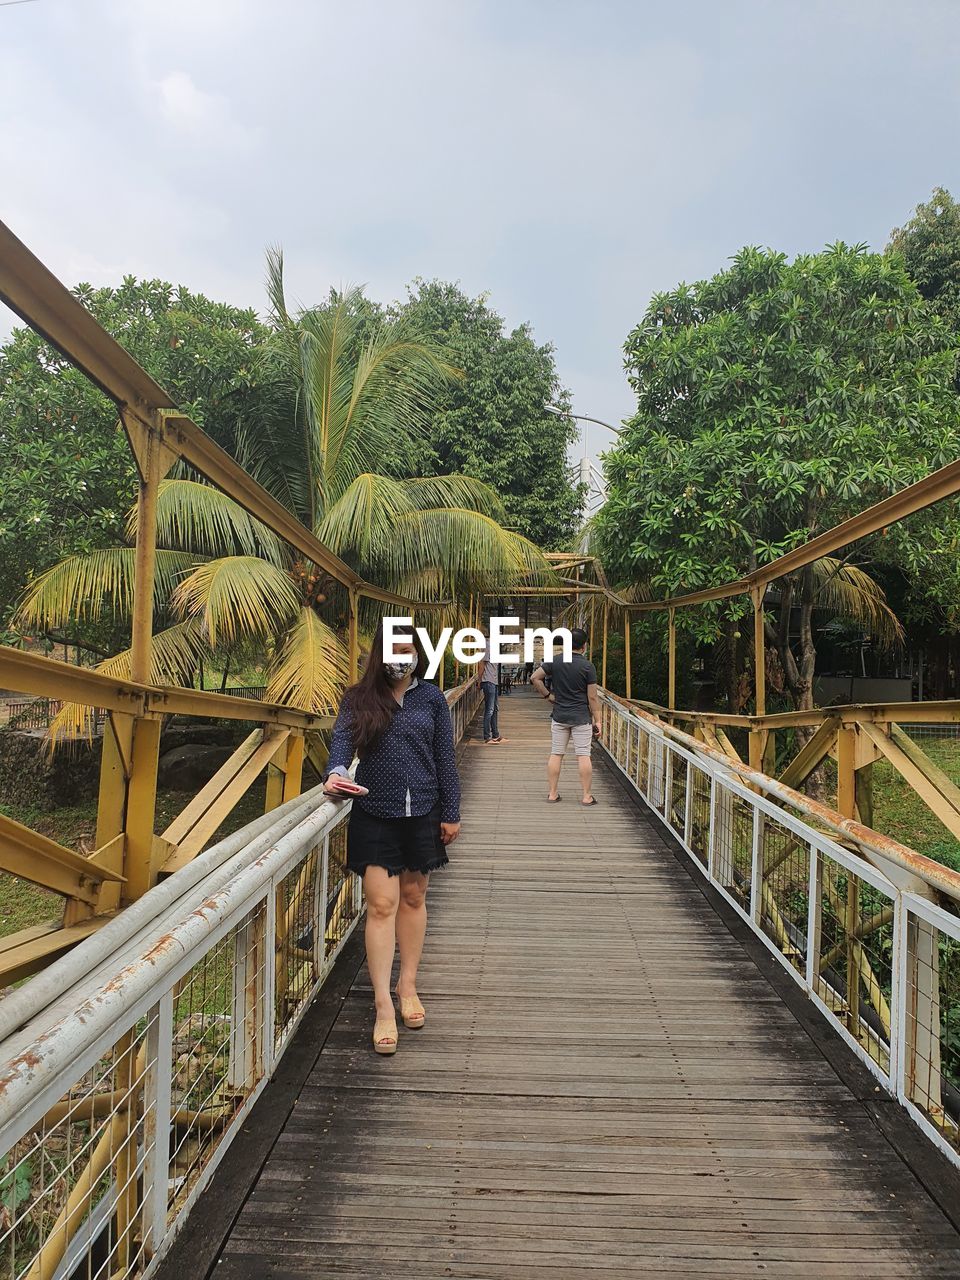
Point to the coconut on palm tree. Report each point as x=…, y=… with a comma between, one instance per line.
x=343, y=396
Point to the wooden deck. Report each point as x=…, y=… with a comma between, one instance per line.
x=608, y=1083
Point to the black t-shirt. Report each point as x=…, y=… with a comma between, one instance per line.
x=569, y=687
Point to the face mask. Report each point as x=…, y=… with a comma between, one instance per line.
x=397, y=670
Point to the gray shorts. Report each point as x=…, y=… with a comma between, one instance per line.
x=560, y=735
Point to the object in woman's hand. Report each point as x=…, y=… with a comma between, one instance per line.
x=337, y=785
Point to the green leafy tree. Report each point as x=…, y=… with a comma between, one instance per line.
x=341, y=398
x=773, y=401
x=492, y=424
x=66, y=471
x=929, y=245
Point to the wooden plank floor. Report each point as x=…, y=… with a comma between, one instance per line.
x=607, y=1086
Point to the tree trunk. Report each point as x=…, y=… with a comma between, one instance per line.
x=808, y=658
x=779, y=637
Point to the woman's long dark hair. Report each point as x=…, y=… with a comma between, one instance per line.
x=371, y=701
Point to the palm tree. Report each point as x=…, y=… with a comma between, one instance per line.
x=845, y=591
x=343, y=397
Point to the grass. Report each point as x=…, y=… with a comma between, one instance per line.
x=899, y=812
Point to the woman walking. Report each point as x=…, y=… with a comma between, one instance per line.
x=399, y=827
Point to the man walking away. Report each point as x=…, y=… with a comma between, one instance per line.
x=489, y=679
x=576, y=713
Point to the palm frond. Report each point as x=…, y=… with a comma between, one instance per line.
x=849, y=592
x=362, y=397
x=83, y=586
x=394, y=385
x=276, y=294
x=636, y=592
x=238, y=597
x=269, y=444
x=328, y=339
x=469, y=550
x=175, y=653
x=194, y=516
x=465, y=492
x=583, y=539
x=363, y=520
x=311, y=667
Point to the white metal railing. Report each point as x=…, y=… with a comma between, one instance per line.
x=119, y=1097
x=879, y=959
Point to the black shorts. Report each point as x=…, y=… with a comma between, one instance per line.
x=397, y=844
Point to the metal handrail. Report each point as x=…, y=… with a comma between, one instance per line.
x=146, y=1046
x=832, y=900
x=892, y=856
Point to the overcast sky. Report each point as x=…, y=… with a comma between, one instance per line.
x=569, y=157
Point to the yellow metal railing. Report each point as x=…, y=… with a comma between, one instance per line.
x=129, y=854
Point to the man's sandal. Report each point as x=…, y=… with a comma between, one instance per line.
x=385, y=1035
x=412, y=1012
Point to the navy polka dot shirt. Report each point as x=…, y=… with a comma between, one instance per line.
x=414, y=765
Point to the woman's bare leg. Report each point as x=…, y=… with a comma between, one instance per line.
x=382, y=894
x=411, y=928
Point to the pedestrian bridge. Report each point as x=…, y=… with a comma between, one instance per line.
x=710, y=1027
x=641, y=1056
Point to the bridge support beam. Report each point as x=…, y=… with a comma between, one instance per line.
x=759, y=654
x=760, y=739
x=131, y=743
x=606, y=618
x=626, y=653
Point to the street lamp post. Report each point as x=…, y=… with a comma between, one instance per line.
x=581, y=417
x=595, y=487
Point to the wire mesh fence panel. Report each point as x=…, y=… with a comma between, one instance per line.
x=654, y=788
x=341, y=900
x=217, y=1049
x=298, y=922
x=732, y=844
x=70, y=1189
x=941, y=731
x=93, y=1183
x=677, y=811
x=880, y=963
x=698, y=839
x=623, y=741
x=783, y=889
x=852, y=970
x=609, y=732
x=640, y=754
x=464, y=702
x=612, y=735
x=930, y=1067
